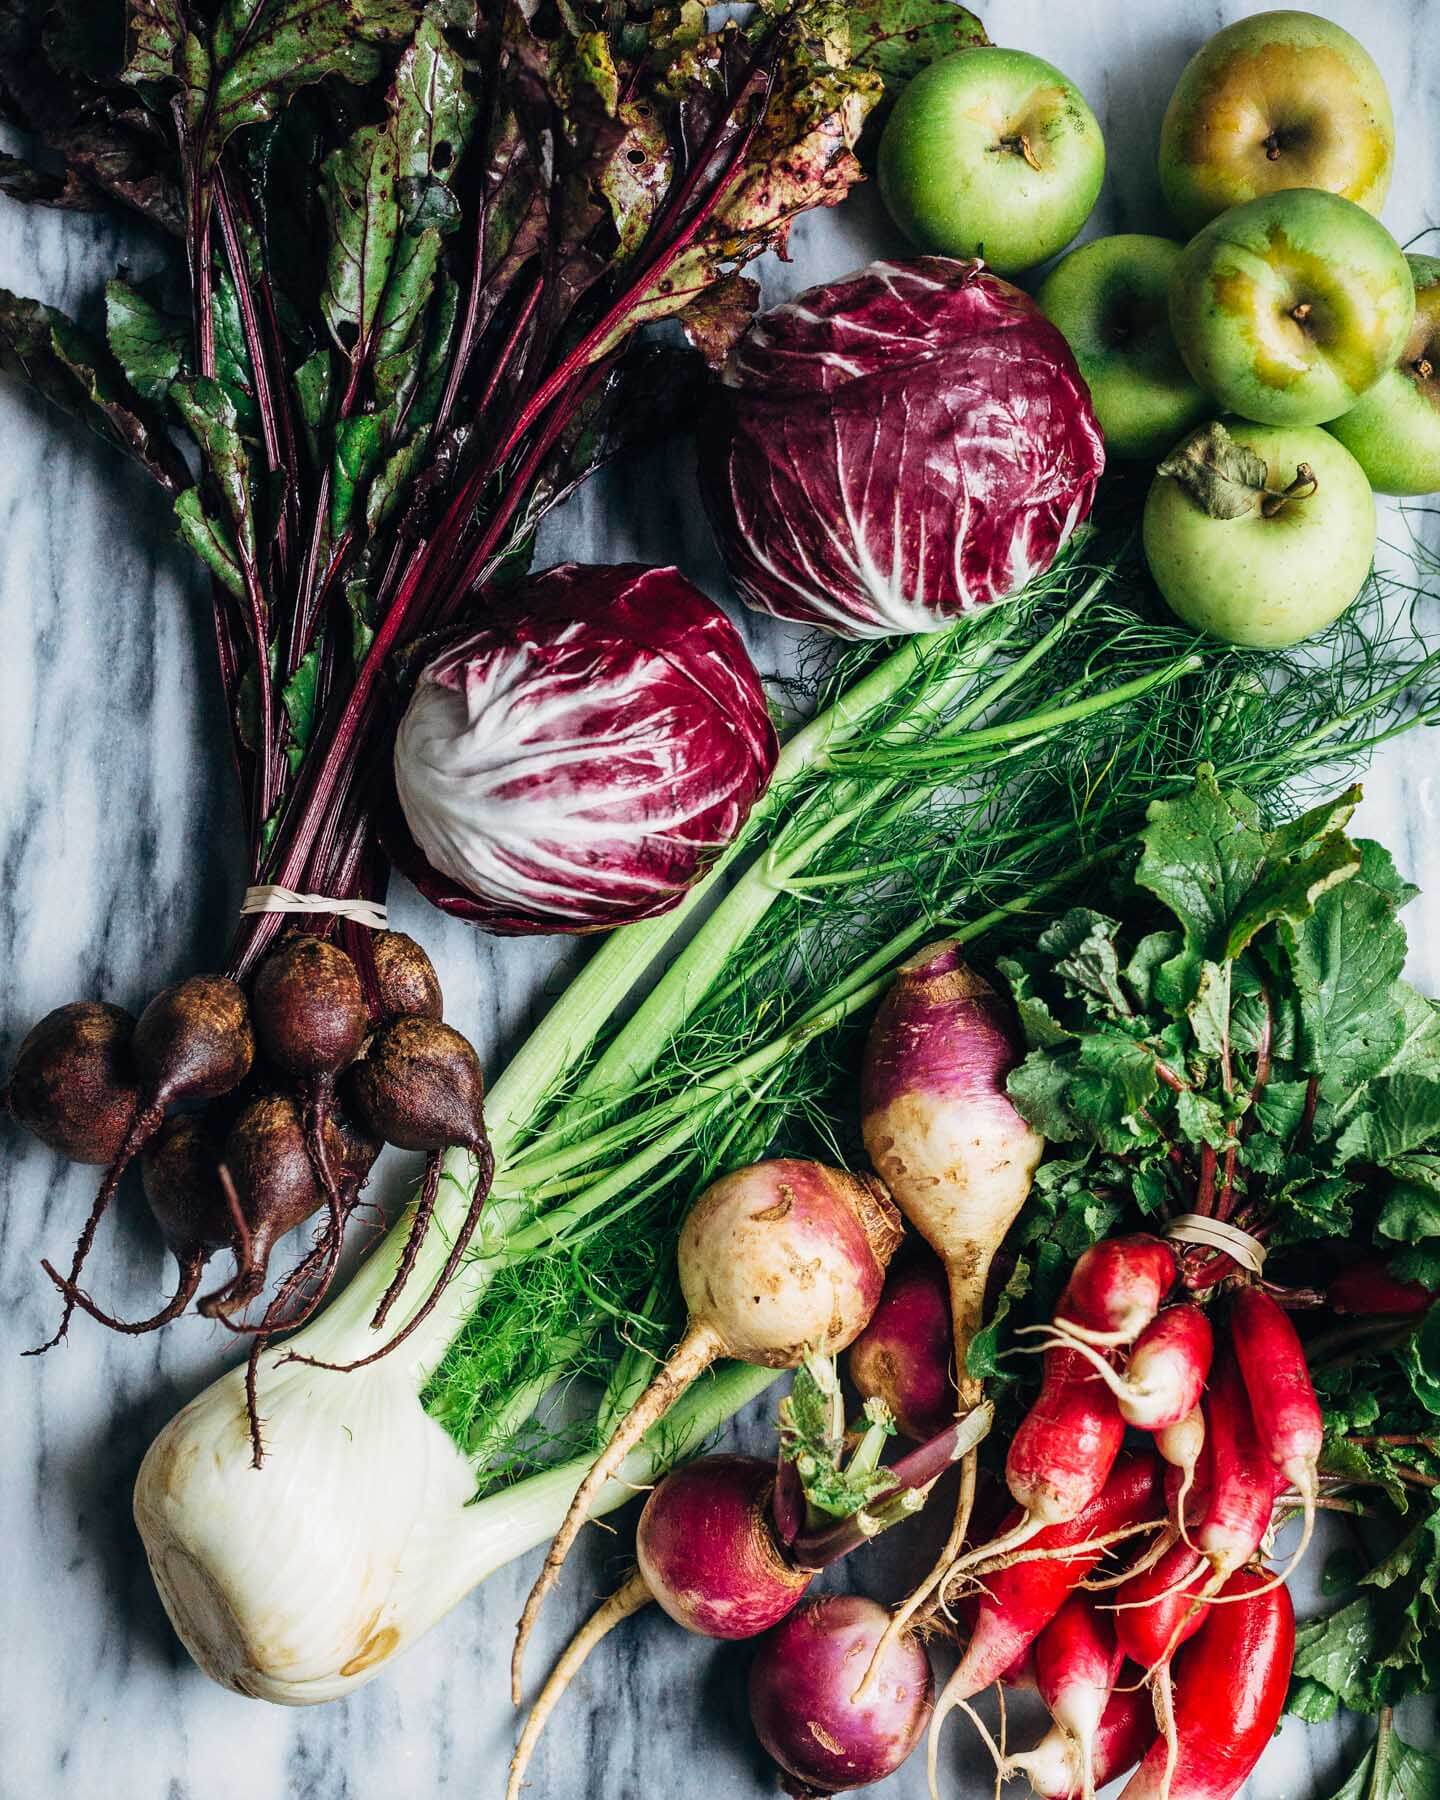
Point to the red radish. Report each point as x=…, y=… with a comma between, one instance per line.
x=707, y=1553
x=1076, y=1661
x=192, y=1042
x=1243, y=1481
x=775, y=1261
x=1230, y=1686
x=1115, y=1289
x=1125, y=1733
x=1166, y=1371
x=1288, y=1421
x=1155, y=1609
x=905, y=1355
x=1182, y=1445
x=947, y=1141
x=803, y=1704
x=1019, y=1599
x=1370, y=1291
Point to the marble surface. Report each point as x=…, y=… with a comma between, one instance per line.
x=117, y=871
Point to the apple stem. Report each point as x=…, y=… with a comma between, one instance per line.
x=1019, y=145
x=1305, y=485
x=1423, y=367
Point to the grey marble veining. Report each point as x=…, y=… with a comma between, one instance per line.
x=118, y=868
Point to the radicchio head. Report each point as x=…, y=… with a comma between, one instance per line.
x=582, y=759
x=898, y=448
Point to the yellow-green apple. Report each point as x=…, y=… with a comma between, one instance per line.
x=1111, y=300
x=1394, y=432
x=991, y=153
x=1289, y=308
x=1259, y=534
x=1278, y=100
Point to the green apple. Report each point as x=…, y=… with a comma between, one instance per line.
x=1289, y=308
x=1259, y=534
x=1111, y=300
x=1280, y=100
x=991, y=153
x=1394, y=433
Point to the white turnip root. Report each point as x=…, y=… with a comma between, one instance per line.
x=949, y=1144
x=775, y=1260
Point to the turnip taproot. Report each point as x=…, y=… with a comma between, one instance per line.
x=775, y=1260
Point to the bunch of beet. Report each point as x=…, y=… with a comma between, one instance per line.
x=253, y=1113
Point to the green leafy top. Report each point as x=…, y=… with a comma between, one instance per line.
x=1232, y=1036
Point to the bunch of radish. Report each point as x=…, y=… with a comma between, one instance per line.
x=253, y=1112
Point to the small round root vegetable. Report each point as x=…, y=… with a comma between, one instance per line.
x=180, y=1168
x=1076, y=1662
x=1229, y=1691
x=72, y=1085
x=707, y=1553
x=1288, y=1422
x=310, y=1021
x=421, y=1087
x=1369, y=1290
x=946, y=1139
x=405, y=978
x=905, y=1355
x=192, y=1042
x=803, y=1704
x=775, y=1260
x=1115, y=1289
x=1125, y=1733
x=1020, y=1598
x=1165, y=1373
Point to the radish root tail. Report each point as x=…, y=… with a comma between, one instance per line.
x=190, y=1273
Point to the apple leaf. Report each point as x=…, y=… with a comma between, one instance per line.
x=1224, y=479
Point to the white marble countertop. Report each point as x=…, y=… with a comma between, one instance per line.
x=118, y=869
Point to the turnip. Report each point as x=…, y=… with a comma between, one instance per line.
x=707, y=1554
x=948, y=1143
x=803, y=1703
x=775, y=1260
x=192, y=1042
x=905, y=1355
x=72, y=1085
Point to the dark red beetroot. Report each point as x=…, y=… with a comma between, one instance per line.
x=405, y=977
x=706, y=1549
x=1230, y=1687
x=72, y=1085
x=802, y=1696
x=192, y=1042
x=905, y=1355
